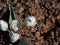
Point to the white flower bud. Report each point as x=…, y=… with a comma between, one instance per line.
x=10, y=44
x=14, y=25
x=14, y=37
x=30, y=21
x=3, y=25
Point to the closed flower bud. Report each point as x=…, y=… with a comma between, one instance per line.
x=3, y=25
x=30, y=21
x=14, y=37
x=14, y=25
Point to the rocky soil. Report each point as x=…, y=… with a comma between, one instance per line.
x=47, y=14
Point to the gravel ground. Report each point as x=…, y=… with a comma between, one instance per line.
x=47, y=14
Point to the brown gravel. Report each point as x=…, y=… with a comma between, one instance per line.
x=47, y=14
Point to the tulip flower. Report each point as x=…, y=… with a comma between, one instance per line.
x=30, y=21
x=3, y=25
x=14, y=37
x=14, y=25
x=10, y=44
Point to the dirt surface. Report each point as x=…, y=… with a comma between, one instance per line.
x=47, y=14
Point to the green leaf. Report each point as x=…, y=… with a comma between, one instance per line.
x=11, y=14
x=23, y=41
x=10, y=33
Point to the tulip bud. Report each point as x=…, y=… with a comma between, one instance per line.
x=3, y=25
x=14, y=37
x=30, y=21
x=14, y=25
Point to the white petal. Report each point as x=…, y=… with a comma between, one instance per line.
x=13, y=25
x=10, y=44
x=14, y=37
x=32, y=21
x=4, y=25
